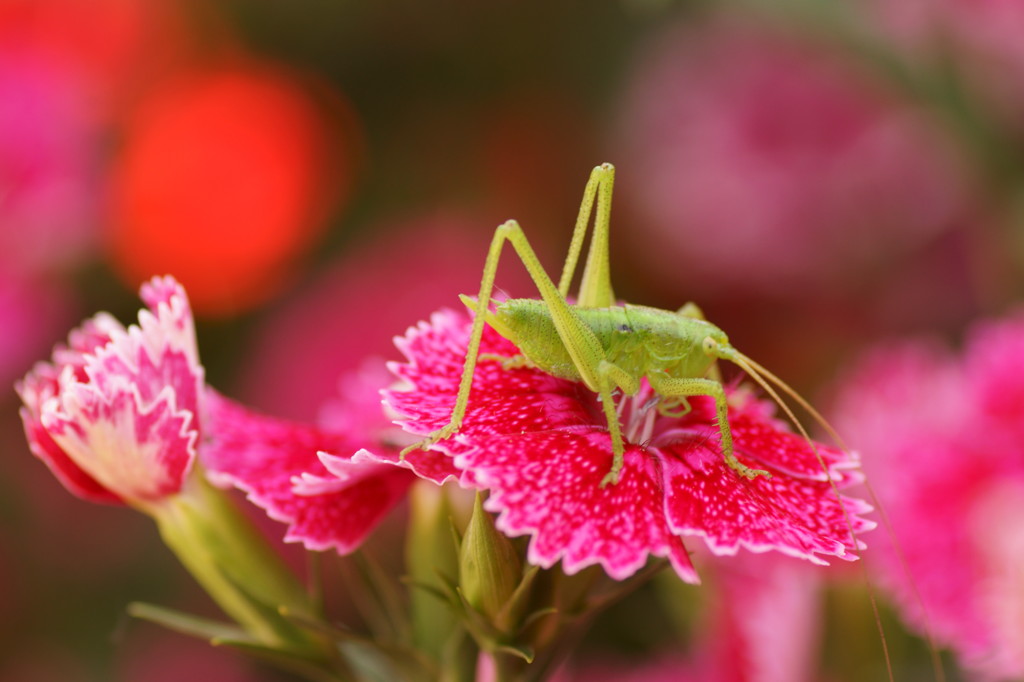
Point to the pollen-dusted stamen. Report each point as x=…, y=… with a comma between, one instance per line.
x=637, y=415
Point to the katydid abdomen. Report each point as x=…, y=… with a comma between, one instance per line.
x=638, y=339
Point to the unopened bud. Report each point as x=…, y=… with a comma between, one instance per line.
x=489, y=566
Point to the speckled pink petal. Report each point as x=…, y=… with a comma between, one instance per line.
x=798, y=517
x=427, y=464
x=547, y=485
x=275, y=462
x=795, y=512
x=501, y=400
x=769, y=443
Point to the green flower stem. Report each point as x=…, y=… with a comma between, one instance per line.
x=234, y=564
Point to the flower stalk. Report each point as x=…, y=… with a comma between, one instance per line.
x=235, y=566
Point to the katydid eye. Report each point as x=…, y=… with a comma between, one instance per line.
x=709, y=345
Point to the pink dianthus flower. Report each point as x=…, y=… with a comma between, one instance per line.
x=540, y=445
x=122, y=415
x=114, y=415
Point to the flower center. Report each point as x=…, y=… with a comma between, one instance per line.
x=637, y=414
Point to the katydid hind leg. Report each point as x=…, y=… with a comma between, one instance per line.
x=599, y=190
x=579, y=232
x=580, y=341
x=596, y=284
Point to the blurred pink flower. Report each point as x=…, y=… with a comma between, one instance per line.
x=48, y=178
x=32, y=312
x=763, y=622
x=541, y=447
x=109, y=47
x=751, y=157
x=981, y=39
x=942, y=442
x=114, y=415
x=760, y=622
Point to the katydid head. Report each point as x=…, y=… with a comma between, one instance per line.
x=716, y=344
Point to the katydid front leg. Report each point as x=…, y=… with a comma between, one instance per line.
x=686, y=387
x=611, y=376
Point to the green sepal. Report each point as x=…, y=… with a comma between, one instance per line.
x=536, y=616
x=374, y=593
x=524, y=651
x=512, y=613
x=399, y=657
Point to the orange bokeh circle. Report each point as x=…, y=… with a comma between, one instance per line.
x=225, y=177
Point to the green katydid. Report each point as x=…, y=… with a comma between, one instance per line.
x=601, y=343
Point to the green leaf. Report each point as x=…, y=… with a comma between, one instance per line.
x=187, y=624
